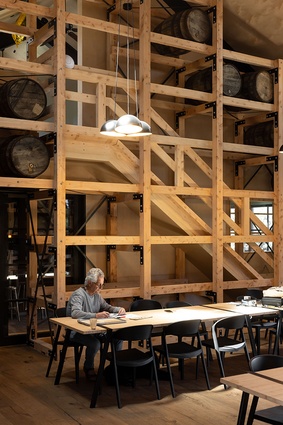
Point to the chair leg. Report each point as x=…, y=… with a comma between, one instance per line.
x=117, y=387
x=205, y=371
x=220, y=358
x=155, y=373
x=169, y=373
x=77, y=356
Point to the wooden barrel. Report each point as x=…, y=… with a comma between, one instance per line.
x=202, y=81
x=258, y=86
x=192, y=24
x=261, y=134
x=22, y=98
x=23, y=156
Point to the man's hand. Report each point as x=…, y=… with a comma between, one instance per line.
x=102, y=314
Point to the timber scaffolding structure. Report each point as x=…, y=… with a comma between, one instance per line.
x=196, y=213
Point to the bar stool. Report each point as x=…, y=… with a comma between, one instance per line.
x=13, y=301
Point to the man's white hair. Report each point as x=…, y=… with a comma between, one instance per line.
x=93, y=275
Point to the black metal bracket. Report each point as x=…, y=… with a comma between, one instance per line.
x=53, y=250
x=53, y=23
x=213, y=106
x=140, y=197
x=275, y=72
x=213, y=59
x=275, y=159
x=54, y=200
x=213, y=11
x=237, y=123
x=178, y=115
x=179, y=71
x=275, y=116
x=108, y=249
x=212, y=294
x=52, y=306
x=54, y=143
x=140, y=249
x=55, y=85
x=109, y=10
x=109, y=200
x=237, y=165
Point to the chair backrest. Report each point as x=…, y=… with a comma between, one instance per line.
x=144, y=304
x=172, y=304
x=229, y=323
x=183, y=329
x=256, y=293
x=60, y=312
x=195, y=299
x=133, y=333
x=265, y=361
x=241, y=297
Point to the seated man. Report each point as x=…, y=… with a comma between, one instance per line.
x=85, y=303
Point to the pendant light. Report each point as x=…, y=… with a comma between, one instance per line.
x=128, y=124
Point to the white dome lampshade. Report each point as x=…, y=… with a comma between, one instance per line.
x=146, y=129
x=128, y=124
x=69, y=62
x=108, y=129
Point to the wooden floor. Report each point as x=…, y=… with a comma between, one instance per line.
x=27, y=397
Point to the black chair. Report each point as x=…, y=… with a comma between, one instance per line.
x=78, y=348
x=278, y=338
x=222, y=343
x=144, y=304
x=147, y=304
x=196, y=299
x=132, y=357
x=173, y=304
x=271, y=415
x=259, y=323
x=182, y=350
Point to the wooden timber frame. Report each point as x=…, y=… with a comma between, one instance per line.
x=214, y=232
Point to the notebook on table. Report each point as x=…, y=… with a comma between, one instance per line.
x=112, y=319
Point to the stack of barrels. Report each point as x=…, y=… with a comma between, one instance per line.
x=22, y=156
x=194, y=24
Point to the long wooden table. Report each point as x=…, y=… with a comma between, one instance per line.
x=157, y=318
x=266, y=384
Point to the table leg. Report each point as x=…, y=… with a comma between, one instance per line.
x=62, y=356
x=98, y=382
x=243, y=409
x=278, y=333
x=54, y=350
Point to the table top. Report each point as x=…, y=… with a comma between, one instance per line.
x=242, y=309
x=157, y=318
x=266, y=384
x=74, y=325
x=164, y=317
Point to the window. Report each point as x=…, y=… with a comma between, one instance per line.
x=264, y=211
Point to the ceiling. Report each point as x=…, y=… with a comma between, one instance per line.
x=254, y=27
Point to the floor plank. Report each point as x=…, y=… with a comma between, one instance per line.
x=27, y=397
